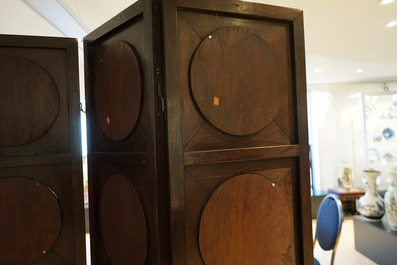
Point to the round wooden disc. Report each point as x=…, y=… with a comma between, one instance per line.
x=123, y=222
x=28, y=103
x=235, y=81
x=118, y=90
x=30, y=220
x=246, y=221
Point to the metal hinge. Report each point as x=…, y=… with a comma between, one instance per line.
x=160, y=94
x=160, y=91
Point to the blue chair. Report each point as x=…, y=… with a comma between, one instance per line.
x=328, y=225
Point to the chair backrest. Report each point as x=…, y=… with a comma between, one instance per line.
x=329, y=223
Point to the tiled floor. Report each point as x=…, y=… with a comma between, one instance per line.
x=345, y=253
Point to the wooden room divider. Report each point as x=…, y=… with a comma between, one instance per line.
x=197, y=139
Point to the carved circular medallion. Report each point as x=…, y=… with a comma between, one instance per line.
x=30, y=220
x=123, y=222
x=29, y=101
x=118, y=90
x=246, y=221
x=234, y=79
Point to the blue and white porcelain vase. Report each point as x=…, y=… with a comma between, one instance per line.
x=371, y=205
x=391, y=202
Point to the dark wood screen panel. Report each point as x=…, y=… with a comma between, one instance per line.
x=41, y=186
x=239, y=175
x=126, y=147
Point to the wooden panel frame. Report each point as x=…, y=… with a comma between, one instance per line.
x=141, y=155
x=178, y=159
x=44, y=159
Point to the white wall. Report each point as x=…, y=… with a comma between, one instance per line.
x=336, y=129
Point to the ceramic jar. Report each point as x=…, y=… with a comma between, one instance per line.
x=345, y=175
x=371, y=205
x=391, y=202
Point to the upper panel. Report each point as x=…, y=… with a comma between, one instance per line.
x=237, y=87
x=36, y=98
x=116, y=89
x=251, y=94
x=29, y=102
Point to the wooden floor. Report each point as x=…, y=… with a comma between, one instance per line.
x=345, y=253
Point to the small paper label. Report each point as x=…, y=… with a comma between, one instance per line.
x=216, y=101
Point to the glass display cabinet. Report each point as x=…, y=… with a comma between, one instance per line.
x=379, y=126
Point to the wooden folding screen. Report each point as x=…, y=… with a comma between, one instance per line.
x=197, y=135
x=41, y=186
x=198, y=150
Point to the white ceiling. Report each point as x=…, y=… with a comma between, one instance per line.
x=345, y=35
x=341, y=35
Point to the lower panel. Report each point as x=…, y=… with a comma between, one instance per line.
x=123, y=210
x=44, y=220
x=241, y=213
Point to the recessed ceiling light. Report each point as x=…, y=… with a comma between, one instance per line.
x=391, y=24
x=317, y=70
x=359, y=70
x=385, y=2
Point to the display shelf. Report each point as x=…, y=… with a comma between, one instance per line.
x=380, y=125
x=375, y=240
